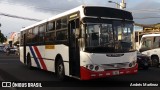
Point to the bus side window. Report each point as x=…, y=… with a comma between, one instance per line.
x=35, y=35
x=29, y=36
x=21, y=38
x=42, y=33
x=50, y=37
x=50, y=26
x=61, y=35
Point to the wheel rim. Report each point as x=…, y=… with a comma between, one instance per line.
x=155, y=62
x=60, y=69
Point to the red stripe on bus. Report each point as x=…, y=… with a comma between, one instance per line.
x=40, y=58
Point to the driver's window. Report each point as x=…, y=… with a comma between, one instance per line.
x=93, y=35
x=106, y=34
x=126, y=34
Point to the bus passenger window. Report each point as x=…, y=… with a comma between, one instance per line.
x=41, y=33
x=64, y=23
x=51, y=26
x=61, y=35
x=35, y=35
x=50, y=37
x=58, y=24
x=21, y=38
x=29, y=36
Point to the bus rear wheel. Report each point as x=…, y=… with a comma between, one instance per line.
x=155, y=61
x=60, y=70
x=29, y=64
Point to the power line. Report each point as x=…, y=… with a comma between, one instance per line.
x=146, y=11
x=19, y=17
x=145, y=17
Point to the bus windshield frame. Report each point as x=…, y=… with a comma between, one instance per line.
x=113, y=37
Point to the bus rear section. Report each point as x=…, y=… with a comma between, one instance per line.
x=150, y=46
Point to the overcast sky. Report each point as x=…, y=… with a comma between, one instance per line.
x=43, y=9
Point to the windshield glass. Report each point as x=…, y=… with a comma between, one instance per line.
x=109, y=37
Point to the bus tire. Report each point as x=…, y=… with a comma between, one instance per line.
x=155, y=61
x=60, y=70
x=29, y=64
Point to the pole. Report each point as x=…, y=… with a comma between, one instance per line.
x=122, y=4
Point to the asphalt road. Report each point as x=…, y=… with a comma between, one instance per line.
x=11, y=69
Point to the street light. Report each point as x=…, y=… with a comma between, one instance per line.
x=121, y=5
x=117, y=5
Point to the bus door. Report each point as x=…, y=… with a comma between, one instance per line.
x=24, y=48
x=74, y=52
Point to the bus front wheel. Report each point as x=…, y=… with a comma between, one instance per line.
x=60, y=70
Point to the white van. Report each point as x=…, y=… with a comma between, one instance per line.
x=150, y=45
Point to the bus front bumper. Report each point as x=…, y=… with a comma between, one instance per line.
x=88, y=74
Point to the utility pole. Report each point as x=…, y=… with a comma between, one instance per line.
x=122, y=5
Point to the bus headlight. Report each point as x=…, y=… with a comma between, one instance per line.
x=94, y=67
x=91, y=67
x=130, y=65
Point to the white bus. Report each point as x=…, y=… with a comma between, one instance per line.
x=87, y=42
x=150, y=45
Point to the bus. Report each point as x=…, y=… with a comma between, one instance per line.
x=150, y=45
x=86, y=42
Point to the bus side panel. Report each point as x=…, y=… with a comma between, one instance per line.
x=51, y=52
x=63, y=50
x=32, y=59
x=48, y=56
x=36, y=54
x=21, y=54
x=49, y=65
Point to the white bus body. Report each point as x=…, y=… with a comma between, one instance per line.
x=84, y=50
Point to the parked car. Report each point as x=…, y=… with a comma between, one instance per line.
x=1, y=48
x=10, y=50
x=144, y=61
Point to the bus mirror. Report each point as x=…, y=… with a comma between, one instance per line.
x=77, y=33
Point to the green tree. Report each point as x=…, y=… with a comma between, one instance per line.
x=2, y=38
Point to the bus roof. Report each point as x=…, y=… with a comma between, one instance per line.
x=54, y=17
x=150, y=35
x=79, y=8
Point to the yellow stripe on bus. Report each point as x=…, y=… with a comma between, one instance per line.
x=49, y=47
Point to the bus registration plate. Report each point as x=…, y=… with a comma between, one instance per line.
x=115, y=72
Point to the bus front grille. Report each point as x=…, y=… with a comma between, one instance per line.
x=115, y=66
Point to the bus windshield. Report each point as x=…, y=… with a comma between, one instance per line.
x=110, y=37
